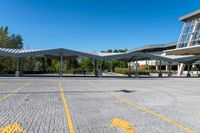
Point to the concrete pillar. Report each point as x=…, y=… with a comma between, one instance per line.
x=129, y=69
x=61, y=63
x=188, y=72
x=169, y=69
x=166, y=68
x=181, y=69
x=136, y=69
x=160, y=67
x=157, y=67
x=17, y=72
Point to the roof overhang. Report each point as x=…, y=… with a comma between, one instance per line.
x=66, y=53
x=193, y=50
x=131, y=56
x=190, y=16
x=154, y=47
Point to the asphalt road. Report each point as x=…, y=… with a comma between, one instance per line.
x=89, y=105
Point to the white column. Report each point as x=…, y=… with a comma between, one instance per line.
x=157, y=67
x=181, y=69
x=166, y=68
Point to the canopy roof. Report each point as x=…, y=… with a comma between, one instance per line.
x=66, y=53
x=131, y=56
x=190, y=16
x=192, y=50
x=50, y=52
x=155, y=47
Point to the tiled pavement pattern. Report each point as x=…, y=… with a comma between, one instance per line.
x=38, y=107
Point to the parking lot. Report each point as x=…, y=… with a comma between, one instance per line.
x=89, y=105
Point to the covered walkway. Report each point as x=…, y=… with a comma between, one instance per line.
x=132, y=56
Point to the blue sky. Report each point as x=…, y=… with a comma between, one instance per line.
x=94, y=25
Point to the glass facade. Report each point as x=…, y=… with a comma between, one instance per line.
x=190, y=35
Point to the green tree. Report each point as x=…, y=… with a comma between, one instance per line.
x=71, y=64
x=7, y=64
x=16, y=41
x=86, y=63
x=10, y=41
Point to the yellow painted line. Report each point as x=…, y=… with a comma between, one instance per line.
x=12, y=128
x=160, y=91
x=69, y=119
x=124, y=125
x=147, y=110
x=13, y=93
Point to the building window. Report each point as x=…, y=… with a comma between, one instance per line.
x=190, y=34
x=198, y=27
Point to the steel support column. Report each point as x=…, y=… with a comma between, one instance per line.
x=17, y=72
x=169, y=69
x=160, y=67
x=198, y=71
x=149, y=70
x=111, y=69
x=129, y=69
x=61, y=63
x=95, y=68
x=136, y=69
x=188, y=72
x=100, y=70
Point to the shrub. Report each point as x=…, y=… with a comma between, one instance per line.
x=140, y=71
x=125, y=71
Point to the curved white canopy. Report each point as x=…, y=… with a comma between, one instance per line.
x=129, y=56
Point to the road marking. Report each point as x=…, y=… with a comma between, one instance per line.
x=12, y=128
x=167, y=96
x=69, y=120
x=14, y=92
x=124, y=125
x=146, y=110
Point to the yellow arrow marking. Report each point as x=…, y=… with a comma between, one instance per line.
x=12, y=128
x=146, y=110
x=124, y=125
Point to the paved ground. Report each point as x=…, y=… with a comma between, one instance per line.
x=89, y=105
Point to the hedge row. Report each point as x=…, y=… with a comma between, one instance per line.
x=140, y=71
